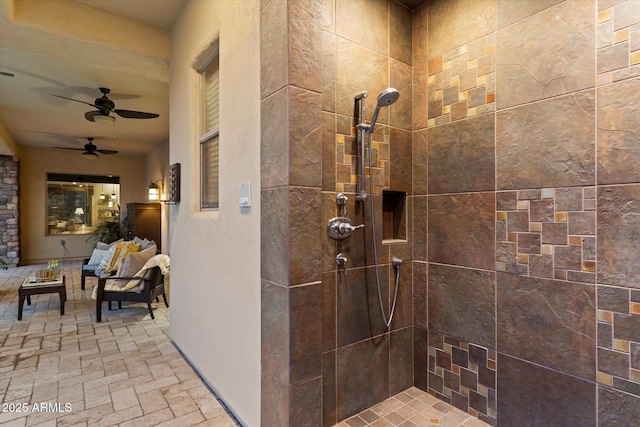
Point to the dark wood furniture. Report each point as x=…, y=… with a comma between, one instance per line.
x=144, y=221
x=86, y=272
x=153, y=287
x=27, y=289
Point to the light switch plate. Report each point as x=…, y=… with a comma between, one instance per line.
x=244, y=195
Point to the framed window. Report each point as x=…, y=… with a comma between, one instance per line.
x=209, y=134
x=77, y=204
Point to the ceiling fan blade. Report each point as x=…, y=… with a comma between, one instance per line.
x=71, y=99
x=136, y=114
x=108, y=151
x=70, y=148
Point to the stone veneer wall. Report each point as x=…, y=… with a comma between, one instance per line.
x=9, y=210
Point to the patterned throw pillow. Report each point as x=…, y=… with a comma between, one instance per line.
x=111, y=261
x=96, y=256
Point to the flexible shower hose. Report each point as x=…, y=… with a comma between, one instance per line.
x=375, y=250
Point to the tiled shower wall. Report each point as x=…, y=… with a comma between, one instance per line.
x=516, y=138
x=9, y=218
x=526, y=174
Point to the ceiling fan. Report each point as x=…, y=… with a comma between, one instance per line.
x=105, y=106
x=90, y=150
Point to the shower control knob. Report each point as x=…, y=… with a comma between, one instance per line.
x=340, y=228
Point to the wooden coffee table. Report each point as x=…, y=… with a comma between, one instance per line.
x=27, y=289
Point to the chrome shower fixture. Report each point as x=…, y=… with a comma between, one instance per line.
x=386, y=98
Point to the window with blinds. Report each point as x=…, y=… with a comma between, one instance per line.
x=209, y=137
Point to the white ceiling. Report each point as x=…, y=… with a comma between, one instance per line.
x=71, y=48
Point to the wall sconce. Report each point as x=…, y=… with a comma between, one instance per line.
x=155, y=191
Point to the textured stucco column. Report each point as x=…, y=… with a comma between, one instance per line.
x=291, y=176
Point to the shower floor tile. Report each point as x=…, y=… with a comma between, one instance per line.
x=412, y=408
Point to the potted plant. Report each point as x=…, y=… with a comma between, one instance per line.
x=3, y=265
x=108, y=232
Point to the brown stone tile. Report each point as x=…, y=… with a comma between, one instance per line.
x=372, y=74
x=554, y=233
x=534, y=143
x=619, y=132
x=273, y=48
x=274, y=141
x=305, y=44
x=305, y=138
x=613, y=57
x=328, y=152
x=466, y=147
x=274, y=236
x=517, y=222
x=401, y=352
x=350, y=25
x=275, y=324
x=567, y=258
x=329, y=311
x=507, y=200
x=510, y=12
x=306, y=403
x=420, y=358
x=362, y=375
x=329, y=389
x=328, y=72
x=486, y=64
x=420, y=157
x=305, y=326
x=461, y=303
x=400, y=33
x=358, y=310
x=305, y=264
x=618, y=221
x=452, y=219
x=541, y=266
x=566, y=34
x=626, y=327
x=477, y=96
x=524, y=388
x=547, y=322
x=400, y=113
x=613, y=299
x=528, y=243
x=616, y=408
x=625, y=14
x=613, y=362
x=541, y=210
x=420, y=97
x=582, y=223
x=401, y=160
x=452, y=24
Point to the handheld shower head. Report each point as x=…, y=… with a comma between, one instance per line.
x=386, y=98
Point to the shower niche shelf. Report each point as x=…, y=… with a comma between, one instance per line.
x=394, y=217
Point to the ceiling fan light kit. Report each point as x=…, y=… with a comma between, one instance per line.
x=90, y=155
x=103, y=120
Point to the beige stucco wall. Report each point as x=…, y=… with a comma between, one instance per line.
x=157, y=167
x=35, y=163
x=215, y=255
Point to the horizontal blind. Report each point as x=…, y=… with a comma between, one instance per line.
x=209, y=139
x=211, y=96
x=210, y=161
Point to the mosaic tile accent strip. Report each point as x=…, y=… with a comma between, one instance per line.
x=348, y=161
x=463, y=375
x=619, y=338
x=462, y=82
x=618, y=41
x=548, y=233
